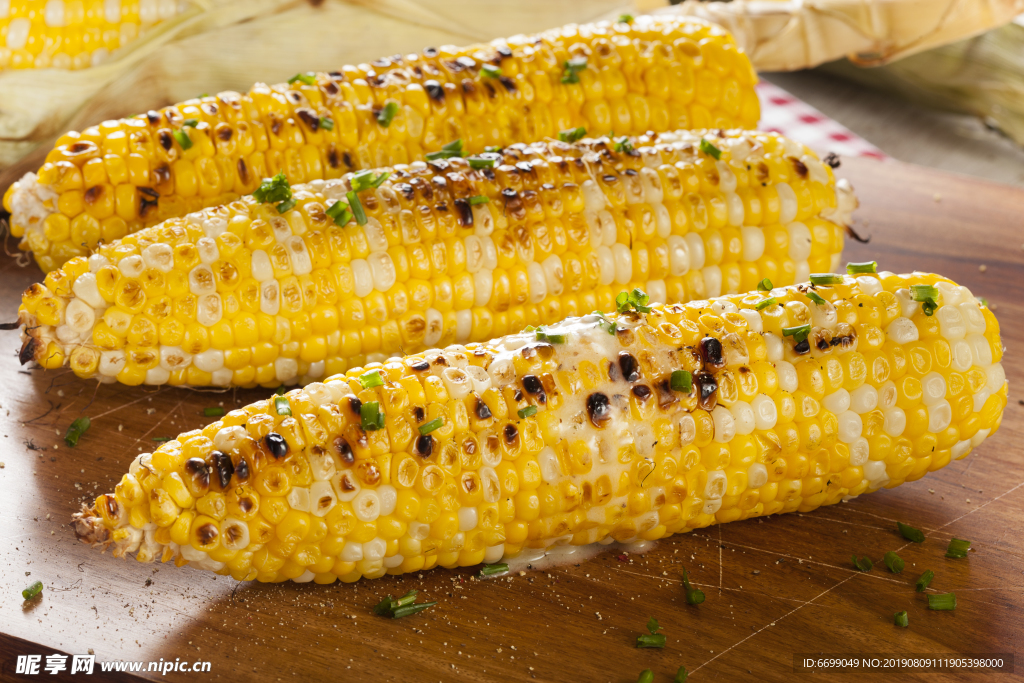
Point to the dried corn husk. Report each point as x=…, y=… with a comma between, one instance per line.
x=221, y=45
x=784, y=35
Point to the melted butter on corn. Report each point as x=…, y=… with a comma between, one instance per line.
x=243, y=295
x=574, y=443
x=656, y=73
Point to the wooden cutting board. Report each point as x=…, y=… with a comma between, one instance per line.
x=775, y=587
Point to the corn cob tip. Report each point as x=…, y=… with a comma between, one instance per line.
x=89, y=528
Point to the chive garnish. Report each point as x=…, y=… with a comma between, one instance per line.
x=928, y=295
x=765, y=303
x=910, y=533
x=572, y=68
x=327, y=123
x=623, y=145
x=681, y=380
x=371, y=379
x=625, y=18
x=161, y=439
x=958, y=548
x=339, y=213
x=605, y=323
x=942, y=601
x=215, y=411
x=279, y=391
x=33, y=590
x=527, y=412
x=637, y=300
x=485, y=160
x=826, y=279
x=764, y=285
x=274, y=190
x=572, y=134
x=281, y=406
x=858, y=268
x=396, y=608
x=307, y=78
x=901, y=619
x=694, y=596
x=496, y=149
x=75, y=431
x=191, y=123
x=357, y=207
x=924, y=580
x=387, y=114
x=710, y=149
x=863, y=564
x=680, y=675
x=364, y=180
x=653, y=638
x=286, y=205
x=798, y=333
x=452, y=149
x=371, y=415
x=183, y=139
x=478, y=199
x=490, y=71
x=894, y=562
x=491, y=570
x=436, y=423
x=646, y=676
x=543, y=335
x=813, y=296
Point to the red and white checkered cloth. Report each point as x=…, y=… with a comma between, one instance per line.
x=794, y=118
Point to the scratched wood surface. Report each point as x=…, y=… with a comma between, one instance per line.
x=774, y=587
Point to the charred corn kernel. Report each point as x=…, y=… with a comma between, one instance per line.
x=137, y=168
x=309, y=309
x=479, y=489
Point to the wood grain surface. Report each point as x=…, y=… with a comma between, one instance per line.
x=775, y=587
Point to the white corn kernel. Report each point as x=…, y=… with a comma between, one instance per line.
x=605, y=265
x=894, y=421
x=458, y=382
x=678, y=255
x=951, y=323
x=799, y=238
x=270, y=297
x=788, y=379
x=980, y=350
x=366, y=505
x=716, y=485
x=939, y=416
x=757, y=476
x=209, y=310
x=743, y=417
x=712, y=280
x=753, y=243
x=158, y=256
x=766, y=413
x=468, y=518
x=902, y=331
x=298, y=498
x=788, y=208
x=322, y=498
x=850, y=426
x=974, y=319
x=208, y=251
x=173, y=358
x=725, y=425
x=362, y=277
x=553, y=275
x=537, y=282
x=111, y=363
x=302, y=262
x=863, y=399
x=131, y=266
x=860, y=451
x=210, y=360
x=933, y=388
x=687, y=430
x=200, y=280
x=837, y=402
x=382, y=269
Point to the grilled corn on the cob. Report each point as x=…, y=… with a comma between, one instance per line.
x=636, y=425
x=450, y=252
x=652, y=74
x=74, y=34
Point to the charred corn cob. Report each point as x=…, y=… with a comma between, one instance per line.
x=74, y=34
x=653, y=74
x=626, y=426
x=456, y=250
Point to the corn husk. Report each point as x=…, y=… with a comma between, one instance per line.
x=785, y=35
x=221, y=45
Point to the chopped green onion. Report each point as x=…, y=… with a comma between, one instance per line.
x=372, y=417
x=496, y=149
x=357, y=207
x=929, y=307
x=396, y=608
x=286, y=205
x=680, y=675
x=958, y=548
x=866, y=267
x=605, y=323
x=307, y=78
x=33, y=590
x=863, y=564
x=436, y=423
x=710, y=149
x=479, y=199
x=452, y=149
x=485, y=160
x=826, y=279
x=339, y=213
x=387, y=114
x=409, y=610
x=553, y=338
x=490, y=71
x=765, y=303
x=327, y=123
x=183, y=139
x=764, y=285
x=161, y=439
x=75, y=431
x=527, y=412
x=488, y=570
x=623, y=145
x=371, y=379
x=625, y=18
x=572, y=134
x=681, y=380
x=572, y=68
x=191, y=123
x=279, y=391
x=813, y=296
x=529, y=328
x=798, y=333
x=924, y=580
x=213, y=412
x=693, y=595
x=924, y=292
x=651, y=640
x=901, y=619
x=942, y=601
x=273, y=190
x=646, y=676
x=982, y=300
x=281, y=405
x=894, y=562
x=364, y=180
x=637, y=299
x=910, y=533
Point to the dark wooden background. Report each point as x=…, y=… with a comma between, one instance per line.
x=774, y=587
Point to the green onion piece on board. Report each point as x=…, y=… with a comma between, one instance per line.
x=680, y=675
x=942, y=601
x=958, y=548
x=75, y=431
x=894, y=562
x=490, y=570
x=646, y=676
x=924, y=580
x=910, y=533
x=901, y=619
x=33, y=590
x=863, y=564
x=216, y=411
